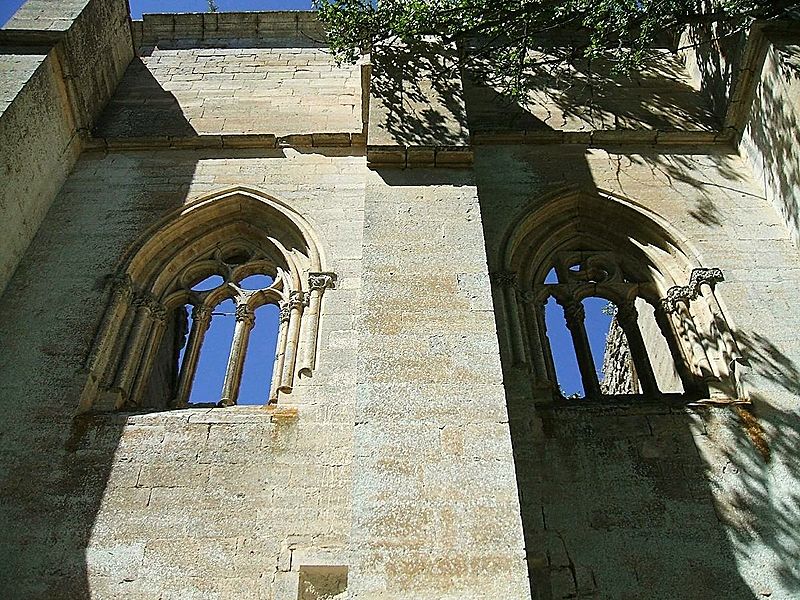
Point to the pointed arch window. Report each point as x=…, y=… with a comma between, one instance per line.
x=225, y=256
x=632, y=343
x=666, y=340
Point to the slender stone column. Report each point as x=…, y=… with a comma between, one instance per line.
x=698, y=349
x=245, y=320
x=280, y=353
x=118, y=305
x=146, y=308
x=537, y=339
x=201, y=321
x=679, y=353
x=507, y=283
x=575, y=316
x=628, y=319
x=152, y=345
x=318, y=283
x=103, y=361
x=730, y=350
x=295, y=306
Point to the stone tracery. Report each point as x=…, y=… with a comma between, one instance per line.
x=229, y=236
x=631, y=260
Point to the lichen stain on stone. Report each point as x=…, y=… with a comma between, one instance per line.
x=754, y=431
x=282, y=415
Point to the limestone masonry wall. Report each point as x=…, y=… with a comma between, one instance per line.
x=421, y=458
x=53, y=86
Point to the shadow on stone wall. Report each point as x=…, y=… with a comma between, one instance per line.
x=141, y=107
x=419, y=96
x=650, y=500
x=56, y=467
x=580, y=95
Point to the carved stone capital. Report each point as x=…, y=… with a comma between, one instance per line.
x=122, y=286
x=574, y=312
x=297, y=300
x=148, y=302
x=689, y=292
x=710, y=276
x=321, y=281
x=246, y=314
x=503, y=278
x=201, y=314
x=627, y=315
x=285, y=312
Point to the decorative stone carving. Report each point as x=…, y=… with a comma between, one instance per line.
x=321, y=281
x=689, y=292
x=149, y=302
x=285, y=311
x=130, y=339
x=503, y=278
x=574, y=312
x=246, y=314
x=201, y=314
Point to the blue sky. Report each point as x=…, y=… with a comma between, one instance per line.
x=9, y=7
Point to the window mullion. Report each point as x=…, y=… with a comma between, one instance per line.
x=245, y=320
x=146, y=306
x=678, y=351
x=627, y=317
x=201, y=320
x=575, y=316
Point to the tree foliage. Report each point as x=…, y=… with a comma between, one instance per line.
x=501, y=37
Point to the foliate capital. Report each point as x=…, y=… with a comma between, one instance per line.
x=685, y=293
x=201, y=314
x=122, y=286
x=246, y=314
x=150, y=303
x=574, y=313
x=503, y=278
x=321, y=281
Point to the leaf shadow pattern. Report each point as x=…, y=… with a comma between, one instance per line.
x=750, y=457
x=576, y=94
x=417, y=98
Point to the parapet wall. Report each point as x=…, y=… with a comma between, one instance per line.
x=60, y=62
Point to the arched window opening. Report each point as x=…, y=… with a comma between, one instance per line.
x=618, y=371
x=568, y=374
x=258, y=365
x=209, y=374
x=606, y=336
x=256, y=282
x=208, y=283
x=665, y=370
x=592, y=280
x=219, y=304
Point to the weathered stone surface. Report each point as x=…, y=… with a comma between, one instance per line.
x=422, y=459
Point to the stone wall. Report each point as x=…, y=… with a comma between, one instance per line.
x=584, y=98
x=224, y=82
x=419, y=461
x=61, y=61
x=771, y=131
x=624, y=501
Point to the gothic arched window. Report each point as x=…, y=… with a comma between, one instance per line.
x=665, y=339
x=231, y=254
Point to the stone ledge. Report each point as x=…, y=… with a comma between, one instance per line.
x=419, y=156
x=600, y=138
x=229, y=141
x=154, y=28
x=30, y=38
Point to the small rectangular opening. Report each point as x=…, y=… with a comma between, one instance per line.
x=322, y=583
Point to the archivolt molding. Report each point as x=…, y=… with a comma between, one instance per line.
x=605, y=246
x=233, y=233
